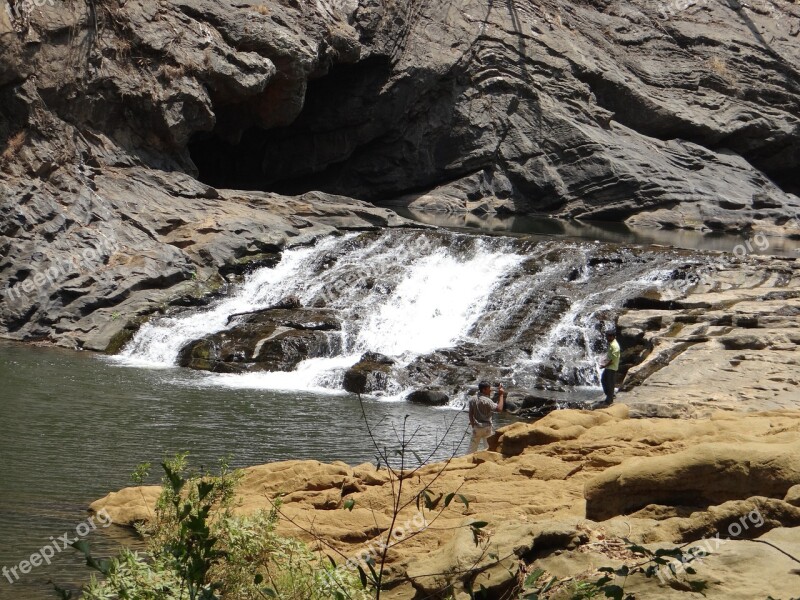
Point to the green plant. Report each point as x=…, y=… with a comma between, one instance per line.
x=198, y=549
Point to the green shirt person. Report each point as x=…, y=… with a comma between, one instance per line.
x=611, y=365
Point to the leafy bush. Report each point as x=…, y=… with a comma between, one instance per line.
x=198, y=549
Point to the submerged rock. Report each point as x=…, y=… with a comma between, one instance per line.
x=429, y=397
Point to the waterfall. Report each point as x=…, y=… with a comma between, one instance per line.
x=534, y=306
x=157, y=343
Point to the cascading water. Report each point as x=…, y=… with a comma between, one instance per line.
x=157, y=343
x=530, y=308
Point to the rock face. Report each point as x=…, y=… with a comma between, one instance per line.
x=560, y=495
x=101, y=221
x=732, y=343
x=613, y=111
x=626, y=111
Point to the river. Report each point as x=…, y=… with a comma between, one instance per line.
x=77, y=424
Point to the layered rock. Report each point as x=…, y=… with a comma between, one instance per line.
x=594, y=110
x=101, y=221
x=732, y=343
x=680, y=118
x=561, y=494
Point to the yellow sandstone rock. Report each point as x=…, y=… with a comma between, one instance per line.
x=562, y=491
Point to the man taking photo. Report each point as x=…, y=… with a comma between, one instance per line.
x=480, y=413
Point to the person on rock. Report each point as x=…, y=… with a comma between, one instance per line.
x=610, y=366
x=481, y=408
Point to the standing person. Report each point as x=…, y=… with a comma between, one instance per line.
x=611, y=366
x=480, y=413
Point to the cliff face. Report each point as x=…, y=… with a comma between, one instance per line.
x=112, y=114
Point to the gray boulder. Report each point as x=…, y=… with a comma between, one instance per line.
x=429, y=397
x=270, y=340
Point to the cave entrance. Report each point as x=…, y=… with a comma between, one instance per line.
x=343, y=118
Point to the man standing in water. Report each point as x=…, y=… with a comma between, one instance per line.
x=611, y=366
x=480, y=413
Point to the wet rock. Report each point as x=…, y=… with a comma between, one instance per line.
x=271, y=340
x=287, y=303
x=534, y=407
x=376, y=357
x=367, y=376
x=239, y=266
x=429, y=397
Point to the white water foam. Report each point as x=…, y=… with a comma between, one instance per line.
x=437, y=302
x=408, y=294
x=157, y=343
x=435, y=299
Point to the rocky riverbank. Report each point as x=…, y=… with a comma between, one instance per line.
x=561, y=495
x=731, y=343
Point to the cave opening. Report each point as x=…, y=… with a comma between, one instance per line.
x=344, y=117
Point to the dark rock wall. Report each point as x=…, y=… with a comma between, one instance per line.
x=584, y=109
x=630, y=111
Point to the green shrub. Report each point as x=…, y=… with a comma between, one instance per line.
x=198, y=549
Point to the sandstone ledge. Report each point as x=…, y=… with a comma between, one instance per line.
x=730, y=342
x=563, y=492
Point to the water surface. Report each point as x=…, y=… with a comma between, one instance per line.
x=76, y=425
x=619, y=233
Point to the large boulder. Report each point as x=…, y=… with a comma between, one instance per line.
x=369, y=375
x=431, y=397
x=270, y=340
x=699, y=476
